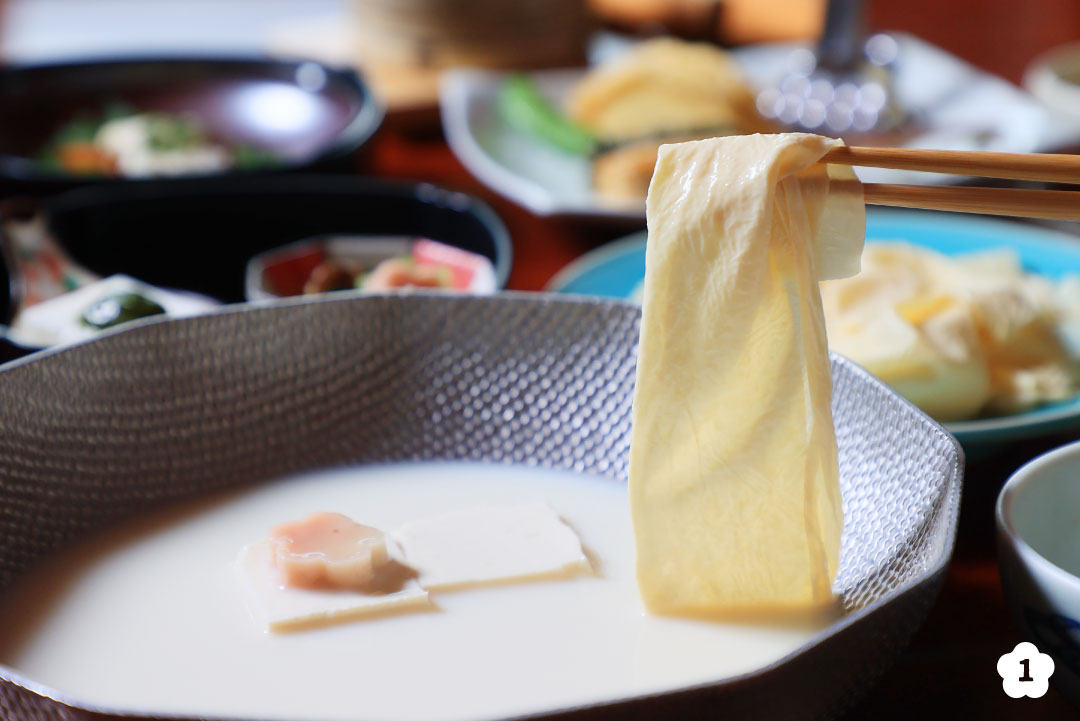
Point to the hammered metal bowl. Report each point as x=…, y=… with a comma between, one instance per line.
x=166, y=410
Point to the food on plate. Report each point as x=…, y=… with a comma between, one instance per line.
x=373, y=265
x=734, y=487
x=389, y=274
x=394, y=273
x=328, y=275
x=121, y=142
x=661, y=91
x=527, y=110
x=118, y=308
x=960, y=337
x=138, y=617
x=665, y=87
x=625, y=173
x=98, y=305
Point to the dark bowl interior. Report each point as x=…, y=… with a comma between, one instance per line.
x=302, y=111
x=199, y=234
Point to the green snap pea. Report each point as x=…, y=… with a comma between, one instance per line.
x=527, y=111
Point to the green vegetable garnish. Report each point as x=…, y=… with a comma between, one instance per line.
x=119, y=308
x=527, y=111
x=249, y=157
x=116, y=109
x=173, y=132
x=82, y=129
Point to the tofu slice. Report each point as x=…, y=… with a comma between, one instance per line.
x=280, y=608
x=487, y=545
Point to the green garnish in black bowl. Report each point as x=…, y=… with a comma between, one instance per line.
x=112, y=310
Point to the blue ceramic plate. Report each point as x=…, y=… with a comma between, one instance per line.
x=616, y=269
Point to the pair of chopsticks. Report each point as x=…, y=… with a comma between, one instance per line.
x=1053, y=204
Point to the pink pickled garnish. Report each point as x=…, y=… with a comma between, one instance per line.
x=398, y=273
x=463, y=265
x=328, y=550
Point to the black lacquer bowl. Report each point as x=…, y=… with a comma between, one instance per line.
x=303, y=113
x=199, y=235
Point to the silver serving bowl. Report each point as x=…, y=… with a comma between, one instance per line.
x=88, y=437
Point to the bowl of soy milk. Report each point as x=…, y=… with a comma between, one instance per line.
x=174, y=445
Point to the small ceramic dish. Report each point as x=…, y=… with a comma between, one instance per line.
x=356, y=262
x=83, y=312
x=1039, y=549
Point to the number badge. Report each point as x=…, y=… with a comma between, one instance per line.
x=1025, y=671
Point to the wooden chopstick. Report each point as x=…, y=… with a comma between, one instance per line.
x=1046, y=167
x=1051, y=204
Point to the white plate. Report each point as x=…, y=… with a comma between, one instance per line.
x=542, y=178
x=943, y=93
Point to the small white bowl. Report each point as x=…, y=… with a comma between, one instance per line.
x=1038, y=525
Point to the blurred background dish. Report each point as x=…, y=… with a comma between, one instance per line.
x=617, y=270
x=489, y=33
x=526, y=169
x=404, y=45
x=100, y=305
x=943, y=97
x=205, y=231
x=614, y=270
x=366, y=263
x=75, y=122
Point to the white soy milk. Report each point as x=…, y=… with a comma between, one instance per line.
x=150, y=617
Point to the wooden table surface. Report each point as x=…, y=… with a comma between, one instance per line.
x=949, y=671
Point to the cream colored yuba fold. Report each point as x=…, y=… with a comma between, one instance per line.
x=734, y=487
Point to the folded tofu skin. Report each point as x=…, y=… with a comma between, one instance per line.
x=734, y=487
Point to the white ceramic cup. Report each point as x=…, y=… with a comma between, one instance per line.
x=1038, y=526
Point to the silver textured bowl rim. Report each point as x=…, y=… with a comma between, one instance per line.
x=910, y=601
